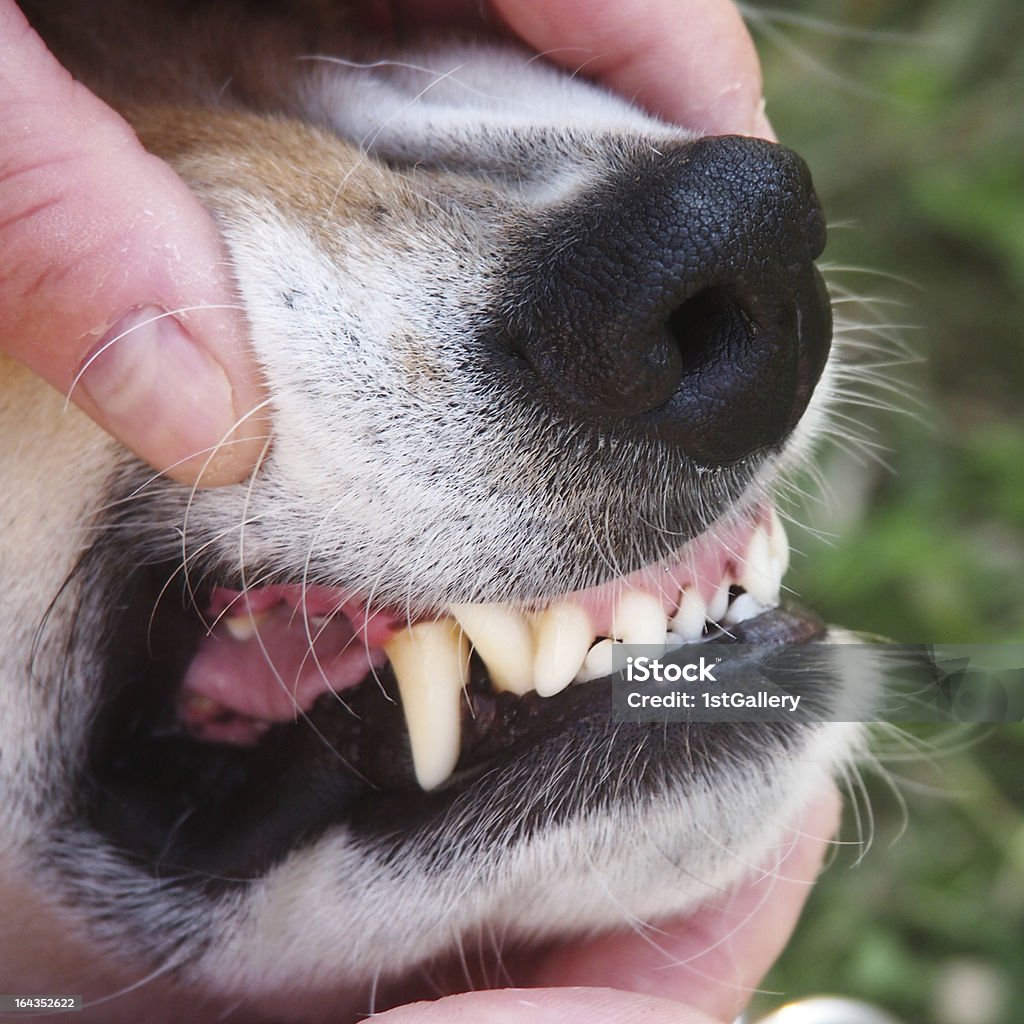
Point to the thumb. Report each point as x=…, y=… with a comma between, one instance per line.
x=114, y=286
x=690, y=61
x=545, y=1006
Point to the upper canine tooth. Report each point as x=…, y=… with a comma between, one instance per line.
x=756, y=576
x=563, y=635
x=598, y=662
x=431, y=663
x=504, y=641
x=640, y=619
x=778, y=543
x=688, y=620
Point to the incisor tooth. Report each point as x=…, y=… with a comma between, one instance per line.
x=640, y=619
x=504, y=641
x=563, y=635
x=778, y=543
x=431, y=663
x=598, y=662
x=244, y=627
x=720, y=600
x=688, y=620
x=756, y=576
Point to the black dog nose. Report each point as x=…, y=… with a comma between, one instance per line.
x=679, y=300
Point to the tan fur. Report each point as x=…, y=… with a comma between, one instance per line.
x=301, y=169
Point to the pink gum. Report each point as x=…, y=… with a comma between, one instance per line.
x=707, y=560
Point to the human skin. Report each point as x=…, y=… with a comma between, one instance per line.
x=698, y=969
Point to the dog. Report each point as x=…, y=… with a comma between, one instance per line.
x=537, y=364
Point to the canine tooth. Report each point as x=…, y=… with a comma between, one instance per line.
x=688, y=620
x=746, y=606
x=563, y=635
x=245, y=626
x=598, y=662
x=719, y=602
x=673, y=641
x=778, y=543
x=640, y=619
x=756, y=575
x=504, y=641
x=431, y=663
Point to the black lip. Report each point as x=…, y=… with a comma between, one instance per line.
x=498, y=727
x=232, y=812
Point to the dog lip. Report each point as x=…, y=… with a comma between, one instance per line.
x=349, y=761
x=269, y=651
x=502, y=728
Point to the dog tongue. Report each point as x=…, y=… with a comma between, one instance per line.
x=272, y=652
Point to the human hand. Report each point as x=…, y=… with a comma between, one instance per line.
x=698, y=970
x=688, y=61
x=99, y=239
x=115, y=287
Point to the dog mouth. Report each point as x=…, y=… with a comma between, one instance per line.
x=270, y=652
x=293, y=703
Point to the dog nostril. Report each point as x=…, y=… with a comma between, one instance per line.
x=705, y=322
x=681, y=301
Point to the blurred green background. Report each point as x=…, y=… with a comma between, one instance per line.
x=911, y=116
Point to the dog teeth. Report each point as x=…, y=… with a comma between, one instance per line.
x=504, y=641
x=640, y=619
x=745, y=606
x=689, y=618
x=778, y=545
x=756, y=575
x=245, y=626
x=548, y=650
x=597, y=663
x=563, y=635
x=431, y=663
x=719, y=601
x=673, y=641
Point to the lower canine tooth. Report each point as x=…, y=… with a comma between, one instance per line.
x=640, y=619
x=688, y=621
x=744, y=607
x=431, y=663
x=563, y=635
x=598, y=662
x=503, y=640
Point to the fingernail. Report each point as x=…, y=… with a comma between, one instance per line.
x=156, y=390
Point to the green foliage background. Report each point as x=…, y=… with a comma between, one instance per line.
x=911, y=116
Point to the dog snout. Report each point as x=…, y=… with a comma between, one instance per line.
x=679, y=299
